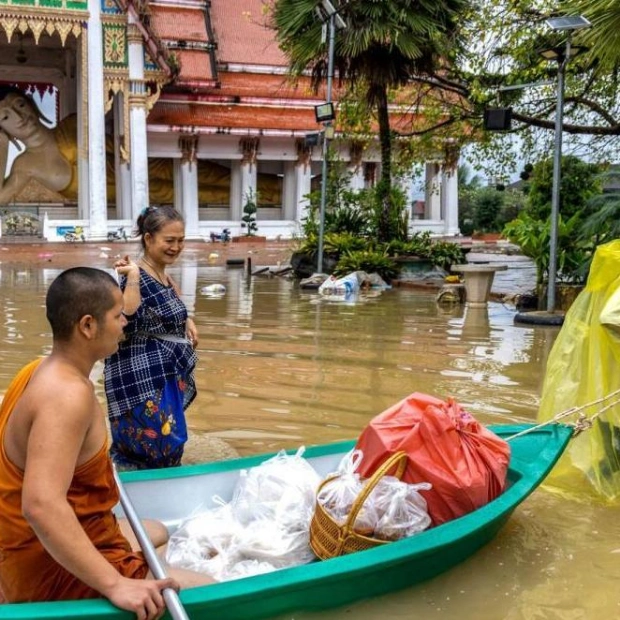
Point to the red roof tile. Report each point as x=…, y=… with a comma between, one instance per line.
x=242, y=35
x=218, y=116
x=179, y=24
x=195, y=66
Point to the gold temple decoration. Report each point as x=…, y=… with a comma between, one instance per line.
x=45, y=20
x=188, y=145
x=304, y=153
x=249, y=149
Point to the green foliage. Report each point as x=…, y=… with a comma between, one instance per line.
x=334, y=244
x=370, y=261
x=250, y=208
x=579, y=182
x=488, y=207
x=603, y=223
x=441, y=253
x=533, y=237
x=387, y=205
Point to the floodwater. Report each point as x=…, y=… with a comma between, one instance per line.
x=280, y=368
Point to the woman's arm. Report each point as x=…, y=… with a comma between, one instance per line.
x=132, y=296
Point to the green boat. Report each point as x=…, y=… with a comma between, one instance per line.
x=172, y=494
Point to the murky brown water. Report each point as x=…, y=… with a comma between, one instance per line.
x=280, y=368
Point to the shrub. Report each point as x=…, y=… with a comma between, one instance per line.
x=370, y=261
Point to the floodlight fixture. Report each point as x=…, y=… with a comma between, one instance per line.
x=568, y=22
x=559, y=53
x=324, y=112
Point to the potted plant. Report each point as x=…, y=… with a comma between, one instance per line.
x=248, y=220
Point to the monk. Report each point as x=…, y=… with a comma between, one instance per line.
x=59, y=539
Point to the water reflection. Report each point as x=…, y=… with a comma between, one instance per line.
x=280, y=367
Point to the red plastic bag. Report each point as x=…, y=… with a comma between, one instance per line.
x=464, y=461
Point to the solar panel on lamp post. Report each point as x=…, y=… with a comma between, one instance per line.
x=561, y=56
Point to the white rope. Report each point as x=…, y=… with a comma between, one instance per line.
x=583, y=421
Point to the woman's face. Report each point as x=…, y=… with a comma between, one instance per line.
x=18, y=118
x=166, y=244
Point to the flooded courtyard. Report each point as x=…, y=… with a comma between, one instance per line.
x=280, y=367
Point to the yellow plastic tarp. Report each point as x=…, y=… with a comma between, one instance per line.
x=584, y=366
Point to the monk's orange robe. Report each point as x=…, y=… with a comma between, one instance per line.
x=27, y=571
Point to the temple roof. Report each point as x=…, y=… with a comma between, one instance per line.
x=233, y=77
x=185, y=31
x=179, y=23
x=242, y=34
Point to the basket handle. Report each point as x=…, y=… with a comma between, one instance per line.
x=399, y=459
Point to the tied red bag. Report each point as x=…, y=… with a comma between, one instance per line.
x=465, y=462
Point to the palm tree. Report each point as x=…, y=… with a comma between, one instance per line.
x=386, y=42
x=604, y=38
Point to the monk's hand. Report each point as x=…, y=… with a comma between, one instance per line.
x=143, y=597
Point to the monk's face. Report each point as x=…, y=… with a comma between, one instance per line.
x=18, y=118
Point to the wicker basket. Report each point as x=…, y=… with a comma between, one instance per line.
x=329, y=539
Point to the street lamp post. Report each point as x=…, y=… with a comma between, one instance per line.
x=334, y=21
x=326, y=137
x=562, y=57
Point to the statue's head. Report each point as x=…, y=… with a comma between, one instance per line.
x=19, y=114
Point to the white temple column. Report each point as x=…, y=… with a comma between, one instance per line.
x=122, y=173
x=97, y=196
x=450, y=200
x=137, y=121
x=289, y=196
x=186, y=184
x=303, y=181
x=234, y=210
x=432, y=208
x=356, y=167
x=82, y=123
x=249, y=148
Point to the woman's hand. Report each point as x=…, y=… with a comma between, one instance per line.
x=125, y=266
x=191, y=332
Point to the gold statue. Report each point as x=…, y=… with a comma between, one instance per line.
x=21, y=123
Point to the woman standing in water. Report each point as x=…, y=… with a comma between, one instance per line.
x=149, y=382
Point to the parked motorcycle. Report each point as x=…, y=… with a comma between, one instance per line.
x=118, y=235
x=222, y=237
x=77, y=234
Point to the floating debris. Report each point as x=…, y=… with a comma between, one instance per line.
x=213, y=290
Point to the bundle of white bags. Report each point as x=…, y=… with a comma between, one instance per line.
x=265, y=526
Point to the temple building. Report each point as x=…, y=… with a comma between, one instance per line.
x=107, y=106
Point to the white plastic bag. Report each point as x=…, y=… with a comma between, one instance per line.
x=268, y=541
x=205, y=542
x=340, y=492
x=340, y=286
x=282, y=488
x=401, y=510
